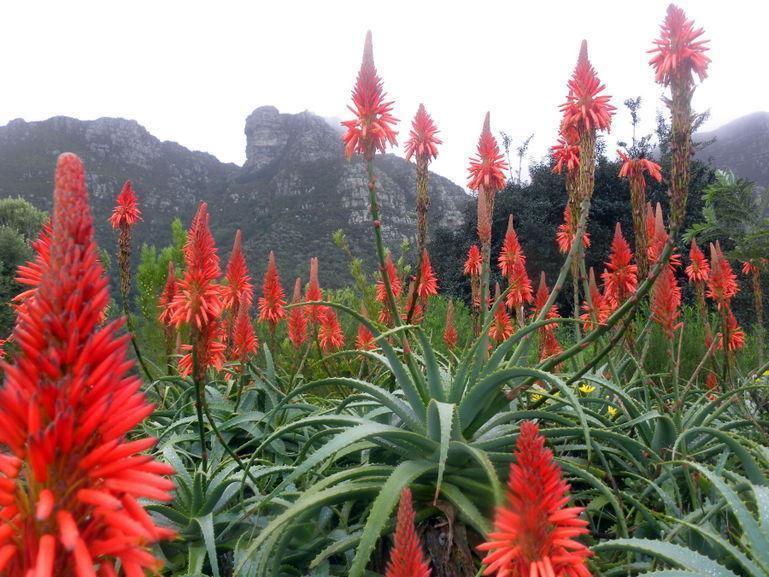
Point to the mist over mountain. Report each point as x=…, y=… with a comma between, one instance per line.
x=294, y=190
x=741, y=146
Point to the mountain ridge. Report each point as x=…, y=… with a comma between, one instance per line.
x=293, y=191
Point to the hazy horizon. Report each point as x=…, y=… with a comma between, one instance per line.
x=191, y=75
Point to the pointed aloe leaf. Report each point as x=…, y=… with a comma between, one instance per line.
x=367, y=430
x=467, y=509
x=383, y=507
x=434, y=382
x=752, y=470
x=440, y=420
x=759, y=540
x=480, y=457
x=674, y=554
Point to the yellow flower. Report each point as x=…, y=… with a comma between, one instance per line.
x=766, y=373
x=611, y=411
x=586, y=388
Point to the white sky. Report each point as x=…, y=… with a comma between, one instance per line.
x=192, y=71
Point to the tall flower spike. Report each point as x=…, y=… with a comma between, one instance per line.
x=210, y=350
x=167, y=297
x=621, y=275
x=666, y=302
x=428, y=283
x=364, y=340
x=297, y=321
x=502, y=327
x=422, y=141
x=126, y=211
x=381, y=292
x=534, y=533
x=330, y=332
x=597, y=310
x=722, y=282
x=566, y=232
x=698, y=269
x=450, y=336
x=314, y=293
x=679, y=51
x=70, y=479
x=736, y=335
x=198, y=296
x=488, y=166
x=406, y=557
x=239, y=291
x=272, y=303
x=372, y=128
x=540, y=300
x=244, y=340
x=512, y=253
x=472, y=265
x=658, y=237
x=585, y=108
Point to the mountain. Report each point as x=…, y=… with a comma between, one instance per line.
x=741, y=146
x=294, y=190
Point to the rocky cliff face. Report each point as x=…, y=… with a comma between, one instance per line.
x=294, y=190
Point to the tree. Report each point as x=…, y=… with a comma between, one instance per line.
x=20, y=224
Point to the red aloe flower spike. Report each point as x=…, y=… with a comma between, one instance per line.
x=61, y=439
x=698, y=269
x=314, y=293
x=198, y=296
x=330, y=333
x=428, y=283
x=736, y=338
x=566, y=232
x=512, y=253
x=620, y=277
x=534, y=534
x=238, y=291
x=210, y=350
x=473, y=263
x=678, y=51
x=417, y=314
x=520, y=292
x=273, y=300
x=243, y=337
x=666, y=302
x=372, y=127
x=406, y=557
x=488, y=166
x=540, y=300
x=502, y=327
x=381, y=291
x=126, y=212
x=364, y=340
x=422, y=141
x=658, y=237
x=600, y=310
x=722, y=282
x=584, y=108
x=450, y=336
x=167, y=297
x=297, y=321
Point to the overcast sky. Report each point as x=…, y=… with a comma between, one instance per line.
x=192, y=71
